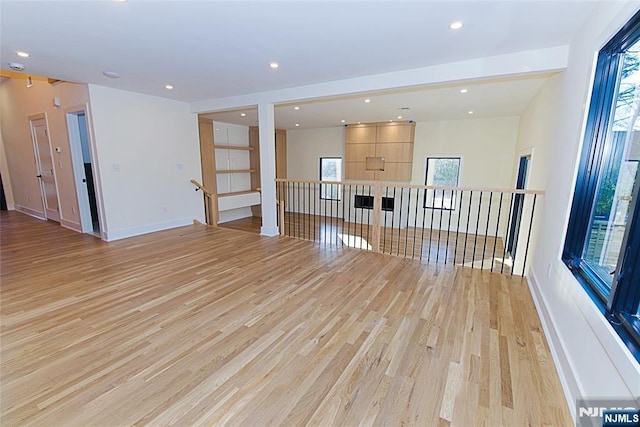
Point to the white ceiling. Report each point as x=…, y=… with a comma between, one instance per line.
x=494, y=98
x=213, y=49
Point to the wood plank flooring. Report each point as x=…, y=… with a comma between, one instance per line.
x=203, y=326
x=427, y=245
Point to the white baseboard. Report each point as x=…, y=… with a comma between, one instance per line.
x=31, y=212
x=269, y=231
x=111, y=235
x=75, y=226
x=563, y=365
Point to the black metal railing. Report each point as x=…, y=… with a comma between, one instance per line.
x=489, y=229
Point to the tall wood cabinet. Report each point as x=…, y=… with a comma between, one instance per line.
x=379, y=151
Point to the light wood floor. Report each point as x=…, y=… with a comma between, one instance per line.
x=429, y=246
x=204, y=326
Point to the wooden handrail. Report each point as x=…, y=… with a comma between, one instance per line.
x=423, y=187
x=201, y=187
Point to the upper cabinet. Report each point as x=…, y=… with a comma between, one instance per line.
x=379, y=151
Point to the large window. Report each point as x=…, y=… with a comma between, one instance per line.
x=330, y=170
x=603, y=238
x=441, y=172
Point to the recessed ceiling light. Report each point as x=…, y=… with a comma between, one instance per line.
x=274, y=65
x=471, y=112
x=390, y=120
x=456, y=25
x=111, y=74
x=169, y=87
x=343, y=121
x=296, y=108
x=399, y=117
x=23, y=54
x=243, y=114
x=464, y=90
x=297, y=124
x=359, y=122
x=367, y=100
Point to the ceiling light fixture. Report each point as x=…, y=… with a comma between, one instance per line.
x=169, y=87
x=296, y=108
x=274, y=65
x=243, y=114
x=22, y=54
x=399, y=117
x=297, y=124
x=464, y=90
x=367, y=100
x=111, y=74
x=456, y=25
x=343, y=121
x=471, y=112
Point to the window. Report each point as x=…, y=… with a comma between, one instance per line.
x=603, y=238
x=441, y=172
x=330, y=170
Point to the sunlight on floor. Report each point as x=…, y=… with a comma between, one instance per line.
x=354, y=241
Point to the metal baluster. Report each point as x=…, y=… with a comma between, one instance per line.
x=406, y=229
x=455, y=248
x=466, y=235
x=433, y=212
x=475, y=239
x=369, y=217
x=393, y=215
x=486, y=231
x=506, y=237
x=440, y=228
x=495, y=240
x=384, y=235
x=526, y=249
x=400, y=220
x=446, y=252
x=415, y=224
x=424, y=215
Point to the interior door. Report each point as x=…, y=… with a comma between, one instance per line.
x=44, y=166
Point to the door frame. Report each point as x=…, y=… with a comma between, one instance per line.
x=36, y=154
x=75, y=146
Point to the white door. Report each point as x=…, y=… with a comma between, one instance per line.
x=44, y=166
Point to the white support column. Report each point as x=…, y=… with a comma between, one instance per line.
x=266, y=123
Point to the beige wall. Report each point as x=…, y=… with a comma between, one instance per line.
x=487, y=148
x=306, y=146
x=17, y=103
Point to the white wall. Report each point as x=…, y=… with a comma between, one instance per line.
x=17, y=103
x=591, y=359
x=147, y=150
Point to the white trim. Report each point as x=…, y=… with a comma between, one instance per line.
x=110, y=236
x=512, y=64
x=269, y=231
x=611, y=344
x=71, y=225
x=560, y=360
x=30, y=212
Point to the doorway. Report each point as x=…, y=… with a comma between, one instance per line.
x=83, y=170
x=518, y=204
x=44, y=166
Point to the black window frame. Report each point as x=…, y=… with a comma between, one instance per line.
x=454, y=202
x=620, y=302
x=320, y=178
